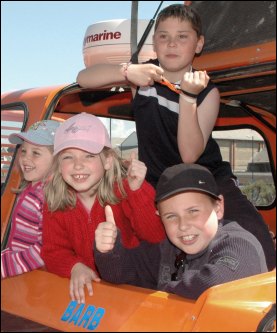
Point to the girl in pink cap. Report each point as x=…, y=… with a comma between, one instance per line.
x=88, y=175
x=35, y=159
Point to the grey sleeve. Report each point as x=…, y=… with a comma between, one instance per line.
x=137, y=266
x=231, y=259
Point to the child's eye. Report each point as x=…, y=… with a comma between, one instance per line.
x=163, y=37
x=66, y=157
x=169, y=217
x=182, y=36
x=90, y=156
x=36, y=153
x=193, y=211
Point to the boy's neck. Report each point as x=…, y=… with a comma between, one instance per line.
x=174, y=77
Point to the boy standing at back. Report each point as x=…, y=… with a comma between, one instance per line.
x=202, y=249
x=175, y=125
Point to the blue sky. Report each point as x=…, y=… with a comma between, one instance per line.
x=41, y=41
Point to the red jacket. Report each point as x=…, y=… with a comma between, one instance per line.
x=68, y=236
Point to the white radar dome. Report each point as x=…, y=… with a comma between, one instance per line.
x=110, y=42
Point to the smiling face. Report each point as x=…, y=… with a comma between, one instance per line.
x=191, y=220
x=35, y=162
x=176, y=43
x=83, y=171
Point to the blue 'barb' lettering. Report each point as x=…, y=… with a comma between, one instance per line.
x=87, y=318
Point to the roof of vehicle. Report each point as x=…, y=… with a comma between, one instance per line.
x=234, y=24
x=245, y=33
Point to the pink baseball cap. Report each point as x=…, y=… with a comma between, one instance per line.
x=83, y=131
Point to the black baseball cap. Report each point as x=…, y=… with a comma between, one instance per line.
x=186, y=177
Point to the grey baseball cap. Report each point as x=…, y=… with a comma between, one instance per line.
x=41, y=133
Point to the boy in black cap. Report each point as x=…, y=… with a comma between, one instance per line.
x=202, y=249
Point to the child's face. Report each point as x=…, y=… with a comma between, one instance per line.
x=191, y=220
x=176, y=43
x=82, y=170
x=35, y=162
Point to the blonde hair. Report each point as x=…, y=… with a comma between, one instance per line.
x=60, y=196
x=25, y=183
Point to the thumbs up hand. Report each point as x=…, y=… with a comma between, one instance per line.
x=136, y=172
x=106, y=232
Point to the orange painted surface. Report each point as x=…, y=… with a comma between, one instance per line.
x=244, y=56
x=237, y=306
x=46, y=297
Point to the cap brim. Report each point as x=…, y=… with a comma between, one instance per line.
x=182, y=190
x=16, y=138
x=90, y=147
x=19, y=138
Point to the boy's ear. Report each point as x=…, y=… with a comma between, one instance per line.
x=157, y=213
x=220, y=208
x=200, y=44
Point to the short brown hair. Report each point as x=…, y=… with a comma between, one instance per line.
x=182, y=12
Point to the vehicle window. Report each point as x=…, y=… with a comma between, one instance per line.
x=123, y=135
x=246, y=151
x=12, y=121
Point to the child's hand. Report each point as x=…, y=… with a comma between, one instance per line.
x=106, y=232
x=81, y=275
x=195, y=82
x=136, y=172
x=144, y=75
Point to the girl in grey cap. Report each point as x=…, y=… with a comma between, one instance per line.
x=202, y=249
x=35, y=160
